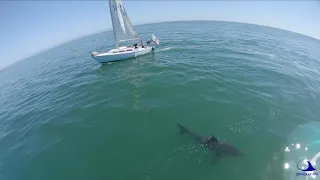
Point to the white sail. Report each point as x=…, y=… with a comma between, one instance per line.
x=123, y=31
x=122, y=27
x=155, y=40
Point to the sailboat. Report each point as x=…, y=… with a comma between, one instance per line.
x=123, y=31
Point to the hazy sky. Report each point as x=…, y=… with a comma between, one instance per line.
x=28, y=27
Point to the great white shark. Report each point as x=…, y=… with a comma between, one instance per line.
x=212, y=143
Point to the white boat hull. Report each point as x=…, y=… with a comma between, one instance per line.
x=125, y=52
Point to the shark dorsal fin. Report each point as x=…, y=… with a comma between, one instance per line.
x=213, y=139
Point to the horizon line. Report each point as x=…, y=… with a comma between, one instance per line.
x=141, y=24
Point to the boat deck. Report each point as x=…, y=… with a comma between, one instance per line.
x=124, y=50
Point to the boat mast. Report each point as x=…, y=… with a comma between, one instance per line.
x=114, y=33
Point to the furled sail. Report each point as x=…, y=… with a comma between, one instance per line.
x=122, y=26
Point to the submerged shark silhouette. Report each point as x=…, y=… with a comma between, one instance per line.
x=220, y=148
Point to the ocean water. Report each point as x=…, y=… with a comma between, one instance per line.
x=65, y=116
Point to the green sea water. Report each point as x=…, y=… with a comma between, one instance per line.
x=64, y=116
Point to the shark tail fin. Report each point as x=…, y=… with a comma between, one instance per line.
x=183, y=130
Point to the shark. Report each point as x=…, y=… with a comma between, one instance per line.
x=218, y=148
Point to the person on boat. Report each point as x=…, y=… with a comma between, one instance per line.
x=142, y=44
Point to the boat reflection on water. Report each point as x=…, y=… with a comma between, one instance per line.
x=302, y=153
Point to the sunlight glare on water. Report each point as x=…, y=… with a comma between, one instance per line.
x=308, y=134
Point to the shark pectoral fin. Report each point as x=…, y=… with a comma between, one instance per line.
x=218, y=154
x=216, y=158
x=182, y=129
